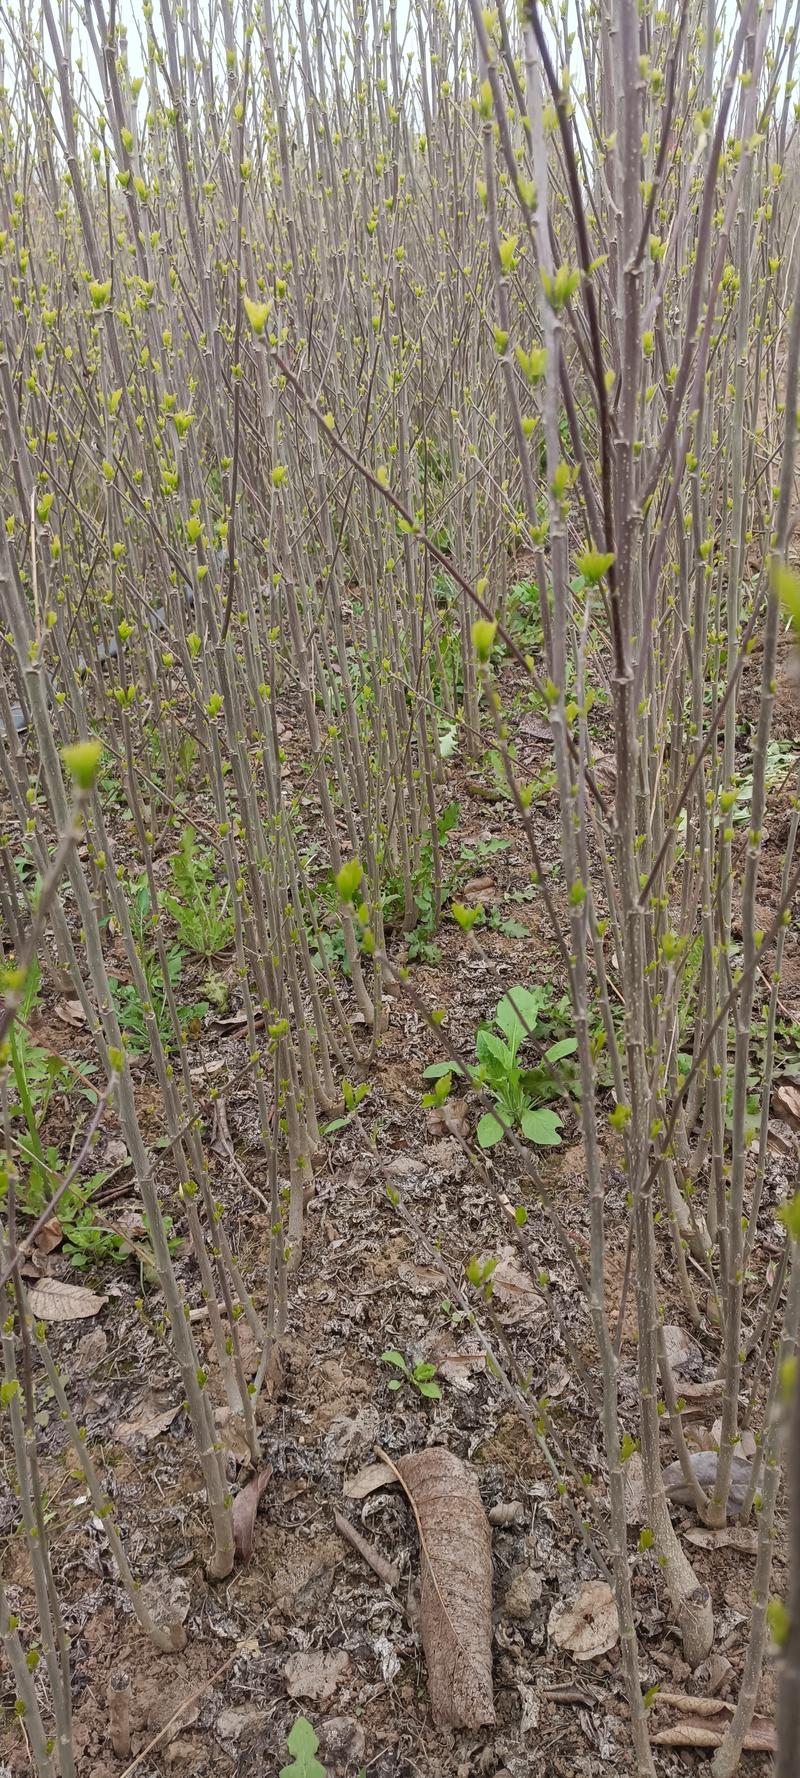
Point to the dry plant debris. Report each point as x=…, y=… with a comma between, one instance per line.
x=456, y=1606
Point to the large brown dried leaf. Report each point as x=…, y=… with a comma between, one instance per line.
x=456, y=1606
x=53, y=1300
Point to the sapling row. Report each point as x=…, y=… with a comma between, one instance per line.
x=321, y=334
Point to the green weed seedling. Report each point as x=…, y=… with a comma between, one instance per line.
x=421, y=1375
x=420, y=943
x=302, y=1744
x=200, y=904
x=474, y=852
x=523, y=620
x=131, y=1009
x=128, y=1004
x=505, y=923
x=521, y=1094
x=37, y=1075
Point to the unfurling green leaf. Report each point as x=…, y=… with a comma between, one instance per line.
x=348, y=879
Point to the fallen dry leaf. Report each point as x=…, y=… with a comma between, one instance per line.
x=315, y=1675
x=367, y=1480
x=786, y=1103
x=726, y=1537
x=245, y=1510
x=50, y=1235
x=589, y=1626
x=518, y=1301
x=451, y=1118
x=53, y=1300
x=70, y=1012
x=420, y=1280
x=696, y=1728
x=456, y=1603
x=147, y=1423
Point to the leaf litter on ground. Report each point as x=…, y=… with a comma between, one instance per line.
x=456, y=1603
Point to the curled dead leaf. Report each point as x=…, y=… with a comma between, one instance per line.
x=245, y=1511
x=50, y=1235
x=786, y=1103
x=456, y=1604
x=704, y=1722
x=589, y=1626
x=70, y=1012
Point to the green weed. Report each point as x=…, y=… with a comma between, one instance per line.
x=420, y=1376
x=522, y=1095
x=200, y=905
